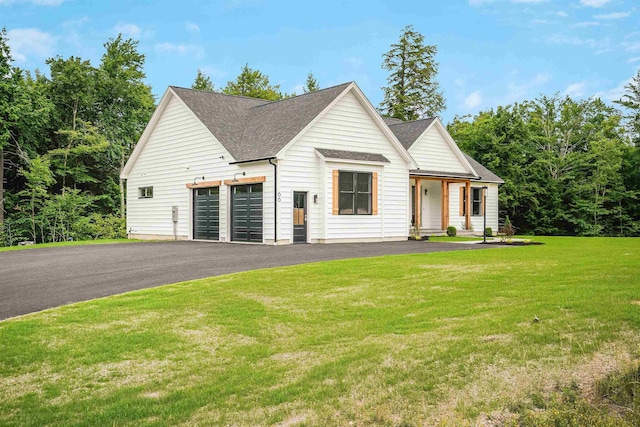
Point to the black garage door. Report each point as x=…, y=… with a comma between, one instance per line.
x=206, y=213
x=246, y=213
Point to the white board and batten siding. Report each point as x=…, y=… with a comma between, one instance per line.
x=179, y=149
x=432, y=152
x=346, y=126
x=477, y=221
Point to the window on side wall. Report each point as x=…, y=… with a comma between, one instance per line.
x=476, y=201
x=355, y=193
x=145, y=192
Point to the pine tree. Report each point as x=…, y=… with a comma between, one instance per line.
x=413, y=91
x=631, y=101
x=202, y=82
x=311, y=85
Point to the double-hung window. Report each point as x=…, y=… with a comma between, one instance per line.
x=355, y=193
x=476, y=201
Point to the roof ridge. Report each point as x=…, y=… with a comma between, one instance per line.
x=266, y=101
x=411, y=121
x=301, y=95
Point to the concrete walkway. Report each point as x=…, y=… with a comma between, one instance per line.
x=37, y=279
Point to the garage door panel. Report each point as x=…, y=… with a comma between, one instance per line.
x=206, y=213
x=247, y=213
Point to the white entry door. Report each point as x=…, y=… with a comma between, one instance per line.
x=426, y=221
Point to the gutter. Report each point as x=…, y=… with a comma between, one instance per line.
x=253, y=160
x=275, y=200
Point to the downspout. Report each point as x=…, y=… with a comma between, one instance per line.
x=275, y=201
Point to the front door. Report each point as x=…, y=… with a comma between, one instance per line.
x=299, y=217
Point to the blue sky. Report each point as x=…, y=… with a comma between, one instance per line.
x=491, y=52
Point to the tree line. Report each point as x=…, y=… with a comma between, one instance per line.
x=570, y=166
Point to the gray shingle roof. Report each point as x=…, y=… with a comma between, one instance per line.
x=255, y=128
x=352, y=155
x=392, y=121
x=485, y=174
x=408, y=132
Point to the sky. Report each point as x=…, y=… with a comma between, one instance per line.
x=491, y=52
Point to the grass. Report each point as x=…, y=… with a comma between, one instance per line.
x=72, y=243
x=426, y=339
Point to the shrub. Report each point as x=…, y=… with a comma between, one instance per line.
x=488, y=232
x=452, y=231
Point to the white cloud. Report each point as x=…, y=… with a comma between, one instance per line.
x=479, y=2
x=562, y=14
x=529, y=1
x=594, y=3
x=191, y=27
x=632, y=60
x=575, y=89
x=519, y=91
x=579, y=41
x=614, y=15
x=632, y=47
x=180, y=49
x=540, y=22
x=615, y=93
x=128, y=30
x=473, y=100
x=35, y=2
x=75, y=23
x=585, y=24
x=30, y=42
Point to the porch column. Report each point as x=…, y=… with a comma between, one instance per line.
x=445, y=204
x=468, y=207
x=418, y=215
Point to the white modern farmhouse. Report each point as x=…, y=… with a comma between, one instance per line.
x=322, y=167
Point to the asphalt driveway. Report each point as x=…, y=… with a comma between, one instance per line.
x=37, y=279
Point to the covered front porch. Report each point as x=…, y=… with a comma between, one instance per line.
x=432, y=206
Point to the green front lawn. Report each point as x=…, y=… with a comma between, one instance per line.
x=433, y=339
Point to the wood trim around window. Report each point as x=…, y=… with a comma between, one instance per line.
x=374, y=193
x=468, y=217
x=240, y=181
x=204, y=184
x=335, y=209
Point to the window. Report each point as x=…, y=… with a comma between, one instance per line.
x=355, y=193
x=476, y=201
x=145, y=192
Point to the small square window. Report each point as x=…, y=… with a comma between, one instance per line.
x=145, y=192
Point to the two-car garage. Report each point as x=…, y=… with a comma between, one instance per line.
x=246, y=213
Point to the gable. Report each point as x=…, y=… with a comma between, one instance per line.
x=173, y=132
x=347, y=124
x=435, y=151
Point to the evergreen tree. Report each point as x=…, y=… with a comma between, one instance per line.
x=631, y=101
x=311, y=85
x=253, y=84
x=413, y=91
x=202, y=82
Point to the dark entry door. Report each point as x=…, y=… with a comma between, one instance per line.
x=246, y=213
x=206, y=213
x=299, y=217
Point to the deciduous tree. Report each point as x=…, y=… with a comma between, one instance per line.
x=253, y=84
x=202, y=82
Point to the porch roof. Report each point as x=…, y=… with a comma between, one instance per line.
x=444, y=175
x=352, y=155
